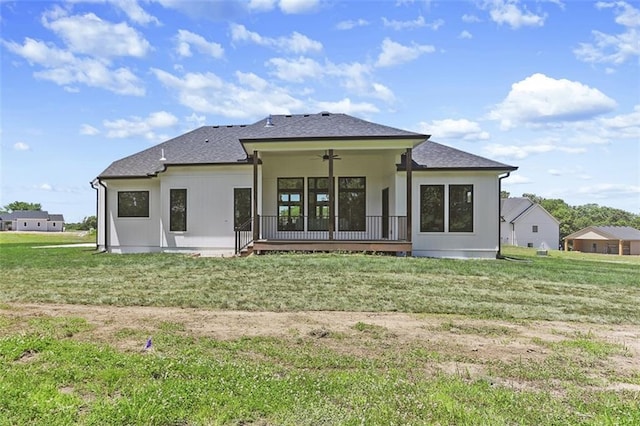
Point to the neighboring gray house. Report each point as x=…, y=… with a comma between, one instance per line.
x=623, y=240
x=31, y=220
x=314, y=182
x=527, y=224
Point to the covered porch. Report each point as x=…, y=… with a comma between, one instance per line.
x=312, y=197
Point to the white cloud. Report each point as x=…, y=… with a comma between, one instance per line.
x=196, y=120
x=465, y=35
x=289, y=7
x=395, y=53
x=419, y=22
x=186, y=39
x=137, y=126
x=21, y=146
x=626, y=126
x=403, y=25
x=509, y=12
x=354, y=77
x=261, y=5
x=610, y=48
x=251, y=96
x=135, y=13
x=470, y=19
x=295, y=43
x=298, y=6
x=539, y=99
x=519, y=152
x=90, y=35
x=454, y=129
x=296, y=70
x=516, y=179
x=346, y=106
x=88, y=130
x=605, y=190
x=45, y=187
x=64, y=68
x=350, y=24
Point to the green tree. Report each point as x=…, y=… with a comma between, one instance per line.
x=22, y=205
x=504, y=194
x=89, y=222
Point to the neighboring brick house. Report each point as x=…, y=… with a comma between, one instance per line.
x=31, y=220
x=527, y=224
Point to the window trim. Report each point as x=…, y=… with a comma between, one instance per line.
x=446, y=208
x=466, y=201
x=317, y=223
x=295, y=225
x=341, y=219
x=184, y=221
x=442, y=210
x=236, y=225
x=142, y=216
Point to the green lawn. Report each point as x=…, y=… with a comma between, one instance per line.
x=561, y=286
x=65, y=370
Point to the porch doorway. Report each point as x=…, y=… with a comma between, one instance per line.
x=385, y=213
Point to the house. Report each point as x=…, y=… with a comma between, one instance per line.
x=527, y=224
x=623, y=240
x=310, y=182
x=31, y=220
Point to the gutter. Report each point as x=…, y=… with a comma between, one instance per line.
x=106, y=228
x=499, y=253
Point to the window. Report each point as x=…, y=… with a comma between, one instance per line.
x=432, y=208
x=460, y=208
x=530, y=245
x=242, y=209
x=290, y=204
x=133, y=204
x=318, y=209
x=352, y=204
x=177, y=210
x=534, y=229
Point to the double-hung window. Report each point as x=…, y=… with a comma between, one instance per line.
x=290, y=204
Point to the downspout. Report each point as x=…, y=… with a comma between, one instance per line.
x=106, y=222
x=499, y=253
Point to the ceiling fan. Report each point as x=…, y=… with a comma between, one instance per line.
x=325, y=156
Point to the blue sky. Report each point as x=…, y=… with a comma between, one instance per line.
x=552, y=87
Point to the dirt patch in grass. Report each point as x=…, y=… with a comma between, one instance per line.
x=467, y=347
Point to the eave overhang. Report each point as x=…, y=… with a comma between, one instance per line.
x=324, y=143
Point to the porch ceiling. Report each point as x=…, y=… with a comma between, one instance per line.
x=325, y=144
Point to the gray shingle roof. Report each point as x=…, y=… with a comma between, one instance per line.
x=430, y=155
x=619, y=232
x=323, y=126
x=223, y=144
x=26, y=214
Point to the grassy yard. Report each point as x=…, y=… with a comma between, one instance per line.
x=540, y=340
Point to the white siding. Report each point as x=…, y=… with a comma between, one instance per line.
x=133, y=234
x=209, y=206
x=483, y=241
x=55, y=226
x=548, y=235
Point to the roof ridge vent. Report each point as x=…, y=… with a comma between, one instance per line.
x=325, y=113
x=269, y=122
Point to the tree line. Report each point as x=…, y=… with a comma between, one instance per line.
x=575, y=218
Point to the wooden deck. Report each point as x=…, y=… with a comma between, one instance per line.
x=335, y=245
